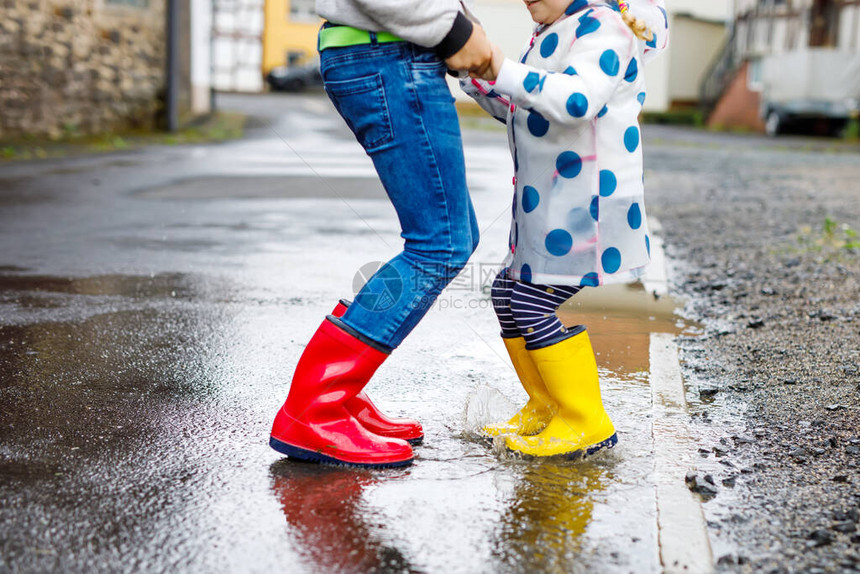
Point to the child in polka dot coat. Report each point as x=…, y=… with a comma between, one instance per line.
x=571, y=106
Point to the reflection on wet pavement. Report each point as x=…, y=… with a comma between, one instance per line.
x=541, y=529
x=325, y=512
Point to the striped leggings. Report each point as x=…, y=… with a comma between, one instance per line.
x=528, y=310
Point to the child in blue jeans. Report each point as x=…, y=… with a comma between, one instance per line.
x=571, y=105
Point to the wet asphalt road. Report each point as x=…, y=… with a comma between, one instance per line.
x=153, y=304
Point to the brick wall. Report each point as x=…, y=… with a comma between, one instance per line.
x=739, y=106
x=79, y=66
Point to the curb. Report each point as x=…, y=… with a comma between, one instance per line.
x=682, y=533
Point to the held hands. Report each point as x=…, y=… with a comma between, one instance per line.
x=475, y=56
x=491, y=72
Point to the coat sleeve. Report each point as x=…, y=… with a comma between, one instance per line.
x=483, y=93
x=596, y=63
x=653, y=14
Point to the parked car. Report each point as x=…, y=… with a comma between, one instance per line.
x=816, y=117
x=814, y=90
x=294, y=78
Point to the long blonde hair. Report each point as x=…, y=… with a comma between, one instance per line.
x=638, y=26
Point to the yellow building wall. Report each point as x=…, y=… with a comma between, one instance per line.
x=281, y=35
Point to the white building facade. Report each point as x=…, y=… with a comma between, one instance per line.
x=789, y=59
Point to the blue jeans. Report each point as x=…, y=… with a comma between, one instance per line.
x=395, y=100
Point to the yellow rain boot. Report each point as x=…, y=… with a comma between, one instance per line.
x=581, y=425
x=537, y=412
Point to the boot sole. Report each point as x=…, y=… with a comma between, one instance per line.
x=577, y=454
x=608, y=443
x=415, y=441
x=313, y=456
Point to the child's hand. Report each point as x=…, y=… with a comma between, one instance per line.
x=492, y=71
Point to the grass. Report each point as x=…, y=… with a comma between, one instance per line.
x=220, y=126
x=852, y=130
x=831, y=236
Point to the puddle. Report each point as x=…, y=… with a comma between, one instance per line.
x=31, y=299
x=178, y=397
x=620, y=320
x=162, y=285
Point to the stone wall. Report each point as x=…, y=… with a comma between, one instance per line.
x=70, y=67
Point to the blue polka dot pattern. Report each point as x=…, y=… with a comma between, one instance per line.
x=652, y=43
x=611, y=260
x=648, y=245
x=609, y=63
x=634, y=216
x=580, y=223
x=576, y=6
x=589, y=280
x=514, y=207
x=538, y=125
x=632, y=71
x=568, y=164
x=608, y=183
x=531, y=198
x=549, y=44
x=558, y=242
x=531, y=82
x=574, y=243
x=526, y=273
x=587, y=25
x=631, y=138
x=577, y=105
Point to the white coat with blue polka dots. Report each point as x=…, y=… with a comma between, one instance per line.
x=571, y=105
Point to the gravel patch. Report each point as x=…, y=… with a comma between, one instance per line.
x=768, y=270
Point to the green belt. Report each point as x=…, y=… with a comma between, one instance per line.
x=340, y=36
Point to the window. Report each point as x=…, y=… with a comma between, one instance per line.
x=754, y=80
x=823, y=23
x=303, y=11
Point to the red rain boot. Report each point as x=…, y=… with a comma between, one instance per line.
x=314, y=425
x=371, y=417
